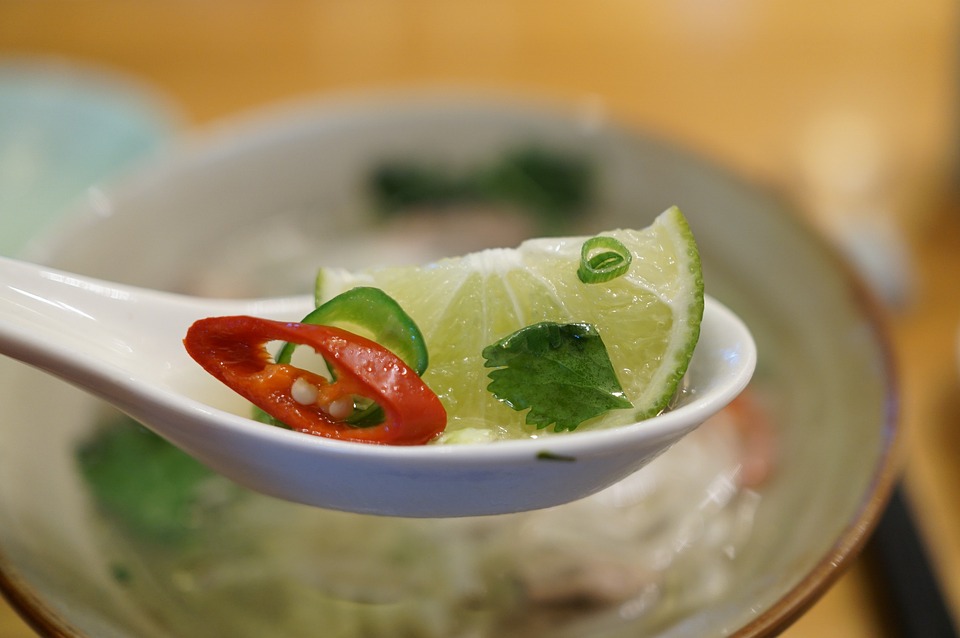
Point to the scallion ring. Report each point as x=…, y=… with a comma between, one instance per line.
x=602, y=259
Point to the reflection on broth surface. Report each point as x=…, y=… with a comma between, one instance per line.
x=183, y=539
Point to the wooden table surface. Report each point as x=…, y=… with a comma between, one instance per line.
x=832, y=101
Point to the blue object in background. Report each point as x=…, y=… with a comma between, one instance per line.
x=63, y=128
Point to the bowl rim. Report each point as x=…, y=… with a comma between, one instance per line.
x=852, y=539
x=256, y=122
x=34, y=611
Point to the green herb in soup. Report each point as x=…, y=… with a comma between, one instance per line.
x=553, y=186
x=561, y=372
x=146, y=484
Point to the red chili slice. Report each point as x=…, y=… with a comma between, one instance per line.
x=233, y=349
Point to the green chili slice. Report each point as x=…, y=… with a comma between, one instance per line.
x=375, y=312
x=602, y=259
x=372, y=311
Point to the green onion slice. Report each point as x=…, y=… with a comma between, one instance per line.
x=602, y=259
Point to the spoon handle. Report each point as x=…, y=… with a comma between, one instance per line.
x=88, y=331
x=49, y=312
x=52, y=308
x=84, y=331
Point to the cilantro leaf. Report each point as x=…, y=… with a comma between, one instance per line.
x=561, y=372
x=151, y=487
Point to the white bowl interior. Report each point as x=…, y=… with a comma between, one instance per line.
x=274, y=197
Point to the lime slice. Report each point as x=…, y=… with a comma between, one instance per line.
x=648, y=318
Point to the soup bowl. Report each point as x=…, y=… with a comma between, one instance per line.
x=736, y=530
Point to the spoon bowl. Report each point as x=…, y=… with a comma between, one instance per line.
x=124, y=344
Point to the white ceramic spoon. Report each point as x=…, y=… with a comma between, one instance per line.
x=124, y=344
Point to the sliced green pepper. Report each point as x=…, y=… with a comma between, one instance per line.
x=381, y=317
x=377, y=313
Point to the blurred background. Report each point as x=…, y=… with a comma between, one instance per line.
x=846, y=107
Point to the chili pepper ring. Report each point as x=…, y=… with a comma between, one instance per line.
x=233, y=349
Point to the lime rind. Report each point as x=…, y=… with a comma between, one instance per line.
x=674, y=223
